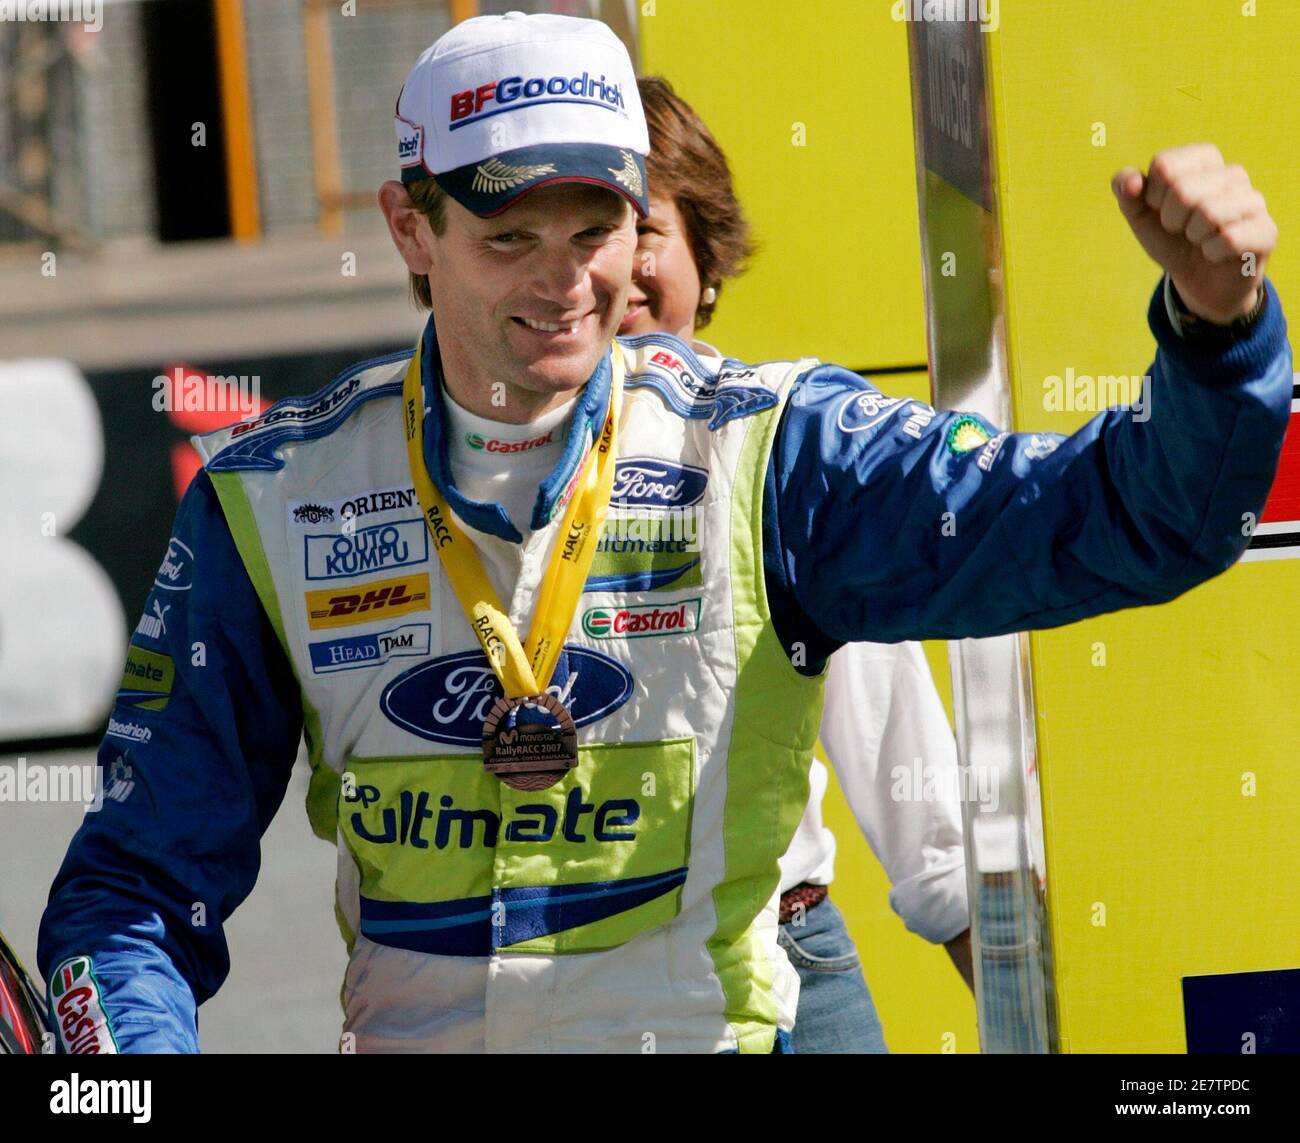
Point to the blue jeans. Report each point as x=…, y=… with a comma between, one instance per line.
x=835, y=1010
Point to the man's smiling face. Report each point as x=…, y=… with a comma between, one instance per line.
x=533, y=296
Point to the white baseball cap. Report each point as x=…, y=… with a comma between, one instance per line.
x=501, y=105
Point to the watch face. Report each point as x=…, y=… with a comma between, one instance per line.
x=1198, y=329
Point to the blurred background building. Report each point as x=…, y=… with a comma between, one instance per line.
x=183, y=184
x=97, y=131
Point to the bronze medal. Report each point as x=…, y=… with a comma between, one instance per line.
x=529, y=742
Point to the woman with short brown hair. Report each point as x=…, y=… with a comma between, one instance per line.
x=882, y=710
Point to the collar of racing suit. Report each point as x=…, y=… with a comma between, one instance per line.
x=489, y=516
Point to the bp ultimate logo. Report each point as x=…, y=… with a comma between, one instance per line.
x=365, y=550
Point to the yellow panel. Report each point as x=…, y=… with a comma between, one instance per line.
x=838, y=274
x=1149, y=722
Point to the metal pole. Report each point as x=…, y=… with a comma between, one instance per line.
x=237, y=119
x=320, y=105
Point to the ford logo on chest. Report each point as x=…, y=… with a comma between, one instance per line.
x=647, y=482
x=448, y=699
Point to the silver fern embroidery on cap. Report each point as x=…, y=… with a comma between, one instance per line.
x=494, y=176
x=628, y=174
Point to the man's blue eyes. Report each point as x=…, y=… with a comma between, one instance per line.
x=590, y=232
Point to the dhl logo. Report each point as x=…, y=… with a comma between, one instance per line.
x=380, y=599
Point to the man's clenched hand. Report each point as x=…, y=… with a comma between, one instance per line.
x=1197, y=216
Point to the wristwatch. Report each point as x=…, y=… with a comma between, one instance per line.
x=1201, y=332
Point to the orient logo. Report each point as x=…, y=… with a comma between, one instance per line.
x=379, y=599
x=447, y=700
x=647, y=482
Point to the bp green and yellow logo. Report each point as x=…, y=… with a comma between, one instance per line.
x=967, y=433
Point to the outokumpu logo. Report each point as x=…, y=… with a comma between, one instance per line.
x=366, y=550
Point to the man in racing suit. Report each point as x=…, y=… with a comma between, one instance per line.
x=729, y=527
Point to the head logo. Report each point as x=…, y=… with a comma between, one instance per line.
x=448, y=699
x=354, y=651
x=648, y=482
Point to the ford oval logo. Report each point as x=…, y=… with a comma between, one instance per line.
x=176, y=572
x=447, y=700
x=647, y=482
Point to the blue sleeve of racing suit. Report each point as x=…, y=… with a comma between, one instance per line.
x=151, y=876
x=884, y=523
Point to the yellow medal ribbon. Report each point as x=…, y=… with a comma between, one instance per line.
x=524, y=669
